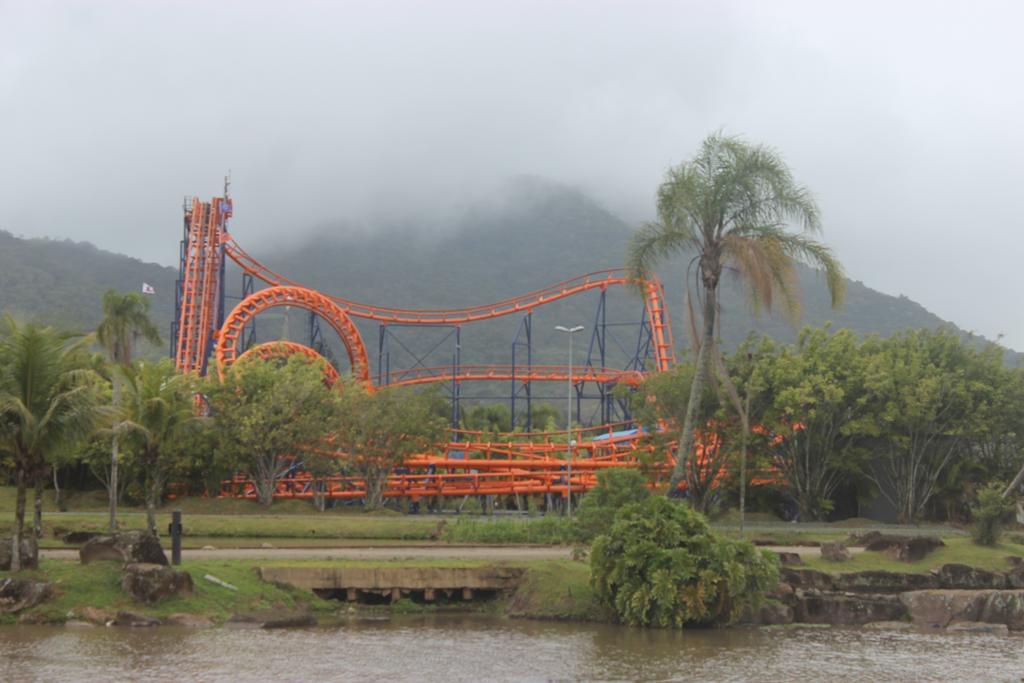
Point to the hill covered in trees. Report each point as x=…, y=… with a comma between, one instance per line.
x=536, y=234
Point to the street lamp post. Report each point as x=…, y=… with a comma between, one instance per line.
x=568, y=415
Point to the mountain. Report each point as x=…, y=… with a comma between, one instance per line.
x=536, y=234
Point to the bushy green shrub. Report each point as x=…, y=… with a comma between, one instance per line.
x=547, y=530
x=660, y=565
x=615, y=489
x=988, y=514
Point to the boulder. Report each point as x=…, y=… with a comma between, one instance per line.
x=135, y=620
x=845, y=609
x=29, y=557
x=124, y=546
x=189, y=621
x=151, y=583
x=1004, y=607
x=834, y=551
x=806, y=579
x=962, y=576
x=773, y=613
x=17, y=594
x=937, y=608
x=271, y=619
x=978, y=627
x=783, y=591
x=880, y=581
x=903, y=548
x=789, y=559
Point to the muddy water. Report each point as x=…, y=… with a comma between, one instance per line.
x=473, y=648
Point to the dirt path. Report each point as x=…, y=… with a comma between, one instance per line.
x=460, y=552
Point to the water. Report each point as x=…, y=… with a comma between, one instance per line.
x=473, y=648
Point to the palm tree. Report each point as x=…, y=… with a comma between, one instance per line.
x=47, y=402
x=158, y=406
x=729, y=209
x=125, y=320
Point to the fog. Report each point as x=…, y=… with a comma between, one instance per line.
x=905, y=119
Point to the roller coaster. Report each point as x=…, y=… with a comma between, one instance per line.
x=471, y=463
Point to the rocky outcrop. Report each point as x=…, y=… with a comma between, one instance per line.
x=939, y=608
x=270, y=620
x=807, y=579
x=845, y=609
x=834, y=551
x=79, y=537
x=789, y=559
x=126, y=546
x=964, y=577
x=95, y=615
x=150, y=583
x=189, y=621
x=903, y=548
x=17, y=594
x=135, y=620
x=881, y=581
x=978, y=627
x=29, y=557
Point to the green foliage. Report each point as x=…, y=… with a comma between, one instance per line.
x=267, y=412
x=615, y=489
x=546, y=530
x=125, y=322
x=661, y=566
x=989, y=514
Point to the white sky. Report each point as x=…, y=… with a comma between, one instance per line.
x=905, y=118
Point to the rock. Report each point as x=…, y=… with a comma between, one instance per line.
x=17, y=594
x=889, y=625
x=135, y=620
x=978, y=627
x=124, y=546
x=151, y=583
x=96, y=615
x=79, y=537
x=29, y=557
x=271, y=620
x=789, y=559
x=937, y=608
x=845, y=609
x=75, y=623
x=1015, y=577
x=833, y=551
x=880, y=581
x=1015, y=561
x=208, y=547
x=189, y=621
x=903, y=548
x=961, y=576
x=806, y=579
x=783, y=591
x=773, y=613
x=1004, y=607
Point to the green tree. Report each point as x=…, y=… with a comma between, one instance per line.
x=616, y=488
x=816, y=402
x=728, y=209
x=156, y=410
x=378, y=430
x=125, y=321
x=926, y=397
x=660, y=565
x=270, y=414
x=47, y=400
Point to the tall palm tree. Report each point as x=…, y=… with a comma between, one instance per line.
x=47, y=402
x=730, y=209
x=157, y=408
x=125, y=321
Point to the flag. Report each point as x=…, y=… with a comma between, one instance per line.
x=148, y=289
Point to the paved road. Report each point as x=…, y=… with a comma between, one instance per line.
x=362, y=553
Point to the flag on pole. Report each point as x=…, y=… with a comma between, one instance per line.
x=148, y=289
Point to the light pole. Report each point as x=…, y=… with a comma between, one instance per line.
x=568, y=415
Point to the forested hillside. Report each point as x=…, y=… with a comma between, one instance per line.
x=537, y=234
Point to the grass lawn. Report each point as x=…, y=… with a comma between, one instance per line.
x=958, y=550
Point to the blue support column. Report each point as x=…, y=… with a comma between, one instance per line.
x=523, y=338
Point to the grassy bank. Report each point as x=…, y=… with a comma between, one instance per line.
x=555, y=589
x=957, y=550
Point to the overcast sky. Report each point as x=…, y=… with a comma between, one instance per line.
x=906, y=119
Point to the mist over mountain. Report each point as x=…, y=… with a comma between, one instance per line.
x=534, y=234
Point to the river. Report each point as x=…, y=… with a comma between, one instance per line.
x=473, y=648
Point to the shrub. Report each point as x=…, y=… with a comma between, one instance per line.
x=615, y=488
x=988, y=514
x=661, y=566
x=547, y=530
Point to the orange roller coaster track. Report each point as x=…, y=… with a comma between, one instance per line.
x=472, y=463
